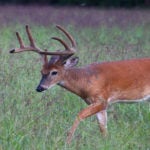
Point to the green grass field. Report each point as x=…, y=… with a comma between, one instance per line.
x=40, y=121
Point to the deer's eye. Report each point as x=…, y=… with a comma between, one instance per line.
x=53, y=73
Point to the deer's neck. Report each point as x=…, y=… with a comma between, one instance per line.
x=75, y=81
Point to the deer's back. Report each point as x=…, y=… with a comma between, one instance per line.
x=129, y=79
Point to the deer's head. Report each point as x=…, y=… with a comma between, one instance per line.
x=54, y=69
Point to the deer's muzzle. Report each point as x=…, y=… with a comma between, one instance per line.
x=40, y=89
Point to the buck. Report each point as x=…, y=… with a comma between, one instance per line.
x=98, y=84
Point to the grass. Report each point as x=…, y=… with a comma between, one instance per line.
x=33, y=121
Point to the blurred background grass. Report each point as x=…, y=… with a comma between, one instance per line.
x=33, y=121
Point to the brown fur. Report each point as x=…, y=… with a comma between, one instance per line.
x=128, y=79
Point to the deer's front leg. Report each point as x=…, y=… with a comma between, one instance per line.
x=102, y=120
x=89, y=111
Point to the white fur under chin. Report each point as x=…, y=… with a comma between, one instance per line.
x=48, y=87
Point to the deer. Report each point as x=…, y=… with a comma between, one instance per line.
x=98, y=84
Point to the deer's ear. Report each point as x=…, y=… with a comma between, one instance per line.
x=71, y=62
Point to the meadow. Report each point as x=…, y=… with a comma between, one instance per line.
x=40, y=121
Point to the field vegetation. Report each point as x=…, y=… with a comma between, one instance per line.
x=40, y=121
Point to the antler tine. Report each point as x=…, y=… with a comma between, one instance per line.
x=68, y=35
x=23, y=48
x=62, y=42
x=20, y=40
x=32, y=43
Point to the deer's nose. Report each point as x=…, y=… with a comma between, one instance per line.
x=40, y=89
